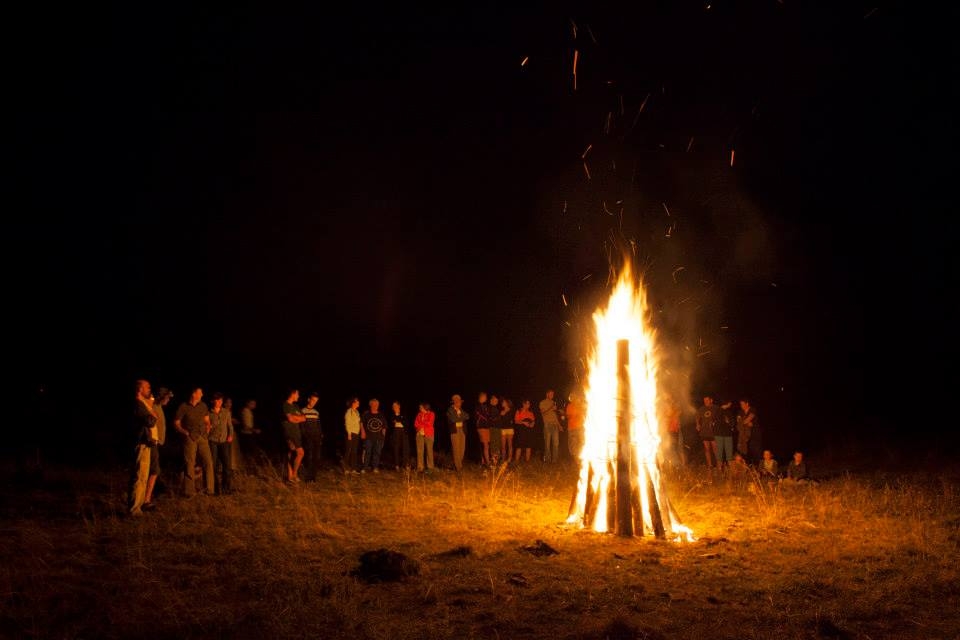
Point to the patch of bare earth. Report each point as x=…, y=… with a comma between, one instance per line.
x=479, y=556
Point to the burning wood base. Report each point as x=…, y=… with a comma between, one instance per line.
x=621, y=505
x=622, y=491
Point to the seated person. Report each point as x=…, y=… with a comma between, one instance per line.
x=768, y=467
x=738, y=466
x=797, y=469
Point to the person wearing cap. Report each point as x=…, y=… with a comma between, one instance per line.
x=457, y=422
x=551, y=428
x=161, y=400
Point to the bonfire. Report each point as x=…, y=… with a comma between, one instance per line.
x=621, y=488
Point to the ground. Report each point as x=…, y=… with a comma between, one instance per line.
x=855, y=556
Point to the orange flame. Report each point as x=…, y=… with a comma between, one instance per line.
x=624, y=318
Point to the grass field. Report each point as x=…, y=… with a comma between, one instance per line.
x=865, y=556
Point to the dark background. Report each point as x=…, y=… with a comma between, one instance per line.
x=384, y=201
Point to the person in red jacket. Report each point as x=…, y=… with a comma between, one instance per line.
x=423, y=425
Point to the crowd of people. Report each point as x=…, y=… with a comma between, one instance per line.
x=732, y=441
x=213, y=441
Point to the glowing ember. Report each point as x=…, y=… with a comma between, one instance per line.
x=621, y=488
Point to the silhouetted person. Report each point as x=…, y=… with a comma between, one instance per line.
x=312, y=438
x=293, y=418
x=221, y=445
x=162, y=398
x=192, y=421
x=707, y=417
x=145, y=434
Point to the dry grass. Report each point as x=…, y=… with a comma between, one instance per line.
x=854, y=557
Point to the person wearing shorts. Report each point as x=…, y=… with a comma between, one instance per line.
x=707, y=418
x=292, y=419
x=483, y=416
x=162, y=399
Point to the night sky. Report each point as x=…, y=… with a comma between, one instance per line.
x=386, y=201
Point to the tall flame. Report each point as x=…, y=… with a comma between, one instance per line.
x=624, y=318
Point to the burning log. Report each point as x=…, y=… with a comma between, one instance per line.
x=655, y=516
x=636, y=509
x=624, y=504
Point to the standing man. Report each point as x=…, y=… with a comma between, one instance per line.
x=145, y=430
x=221, y=444
x=192, y=421
x=375, y=426
x=161, y=400
x=551, y=428
x=457, y=422
x=726, y=425
x=292, y=419
x=312, y=438
x=751, y=436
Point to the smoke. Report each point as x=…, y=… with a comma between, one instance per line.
x=632, y=182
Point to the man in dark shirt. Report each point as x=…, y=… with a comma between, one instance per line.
x=312, y=438
x=192, y=421
x=375, y=426
x=457, y=418
x=751, y=436
x=293, y=420
x=399, y=437
x=725, y=426
x=797, y=469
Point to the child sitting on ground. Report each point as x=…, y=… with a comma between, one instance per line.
x=738, y=467
x=768, y=469
x=797, y=469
